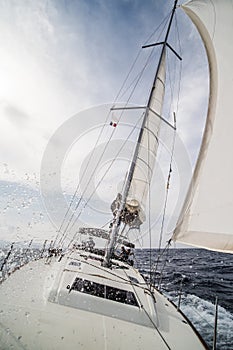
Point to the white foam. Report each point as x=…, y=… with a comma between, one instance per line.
x=201, y=313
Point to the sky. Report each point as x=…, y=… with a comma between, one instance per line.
x=58, y=58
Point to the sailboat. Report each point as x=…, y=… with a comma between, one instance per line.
x=79, y=296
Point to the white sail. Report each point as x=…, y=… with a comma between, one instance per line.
x=149, y=144
x=207, y=216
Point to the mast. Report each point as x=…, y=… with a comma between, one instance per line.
x=116, y=225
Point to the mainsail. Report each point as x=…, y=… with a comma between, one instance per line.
x=145, y=159
x=207, y=216
x=128, y=206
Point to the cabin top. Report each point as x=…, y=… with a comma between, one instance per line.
x=120, y=292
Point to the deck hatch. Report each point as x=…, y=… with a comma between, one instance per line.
x=104, y=291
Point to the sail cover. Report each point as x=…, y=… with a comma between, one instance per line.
x=207, y=217
x=149, y=143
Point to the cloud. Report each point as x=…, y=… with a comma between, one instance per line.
x=59, y=57
x=16, y=116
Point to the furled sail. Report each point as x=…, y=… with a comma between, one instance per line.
x=207, y=216
x=137, y=196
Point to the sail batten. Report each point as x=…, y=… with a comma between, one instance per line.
x=206, y=219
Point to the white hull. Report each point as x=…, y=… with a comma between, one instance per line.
x=33, y=314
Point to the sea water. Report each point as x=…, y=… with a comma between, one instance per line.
x=199, y=276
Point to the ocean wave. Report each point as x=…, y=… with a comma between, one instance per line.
x=202, y=314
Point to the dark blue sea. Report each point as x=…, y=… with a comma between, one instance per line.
x=201, y=276
x=198, y=275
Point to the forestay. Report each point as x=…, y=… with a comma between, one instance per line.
x=207, y=216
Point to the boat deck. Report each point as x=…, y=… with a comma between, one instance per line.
x=51, y=306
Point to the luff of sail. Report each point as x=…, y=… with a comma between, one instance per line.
x=207, y=217
x=146, y=156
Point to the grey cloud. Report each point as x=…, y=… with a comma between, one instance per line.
x=16, y=116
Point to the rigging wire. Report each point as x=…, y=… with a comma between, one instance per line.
x=87, y=184
x=150, y=238
x=165, y=250
x=127, y=102
x=149, y=58
x=166, y=195
x=168, y=185
x=180, y=66
x=149, y=197
x=138, y=78
x=146, y=312
x=137, y=236
x=127, y=76
x=148, y=148
x=137, y=57
x=93, y=173
x=117, y=96
x=164, y=23
x=173, y=146
x=100, y=181
x=85, y=170
x=106, y=224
